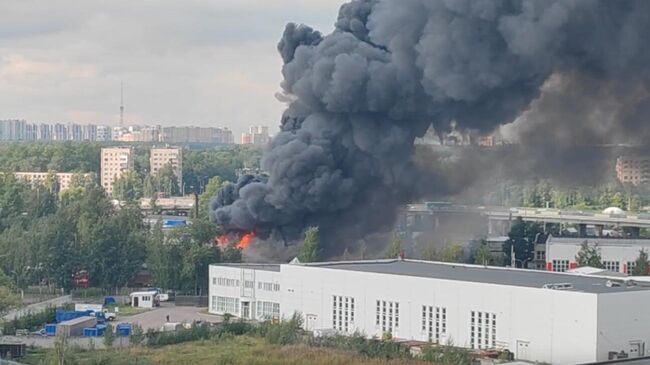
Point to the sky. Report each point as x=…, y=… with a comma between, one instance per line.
x=182, y=62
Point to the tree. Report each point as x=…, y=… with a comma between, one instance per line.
x=310, y=250
x=522, y=238
x=430, y=253
x=482, y=255
x=394, y=249
x=166, y=182
x=211, y=189
x=641, y=264
x=453, y=253
x=128, y=187
x=588, y=256
x=7, y=298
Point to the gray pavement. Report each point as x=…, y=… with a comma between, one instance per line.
x=156, y=317
x=36, y=307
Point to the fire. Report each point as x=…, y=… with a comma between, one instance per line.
x=245, y=240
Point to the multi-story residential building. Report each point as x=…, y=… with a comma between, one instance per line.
x=257, y=135
x=178, y=135
x=89, y=132
x=104, y=133
x=44, y=132
x=31, y=132
x=114, y=162
x=59, y=132
x=75, y=132
x=64, y=179
x=13, y=130
x=633, y=169
x=173, y=156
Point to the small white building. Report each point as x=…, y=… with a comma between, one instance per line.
x=557, y=318
x=617, y=254
x=144, y=299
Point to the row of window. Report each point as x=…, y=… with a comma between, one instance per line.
x=268, y=310
x=266, y=286
x=225, y=305
x=434, y=326
x=387, y=316
x=615, y=266
x=225, y=282
x=343, y=313
x=483, y=330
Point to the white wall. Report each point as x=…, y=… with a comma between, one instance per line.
x=559, y=325
x=623, y=253
x=622, y=318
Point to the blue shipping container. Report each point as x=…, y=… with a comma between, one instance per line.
x=62, y=316
x=96, y=331
x=123, y=329
x=50, y=329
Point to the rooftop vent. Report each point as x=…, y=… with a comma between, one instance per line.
x=558, y=286
x=613, y=284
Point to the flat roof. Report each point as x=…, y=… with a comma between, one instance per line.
x=602, y=241
x=263, y=267
x=482, y=274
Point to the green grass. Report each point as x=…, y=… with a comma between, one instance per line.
x=242, y=350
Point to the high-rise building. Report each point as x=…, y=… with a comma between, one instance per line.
x=75, y=132
x=196, y=135
x=257, y=135
x=173, y=156
x=44, y=132
x=115, y=161
x=633, y=169
x=31, y=131
x=13, y=130
x=89, y=132
x=59, y=132
x=104, y=133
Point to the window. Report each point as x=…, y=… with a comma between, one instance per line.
x=560, y=265
x=214, y=303
x=227, y=282
x=483, y=330
x=343, y=313
x=266, y=286
x=387, y=316
x=248, y=284
x=631, y=265
x=268, y=310
x=228, y=305
x=611, y=266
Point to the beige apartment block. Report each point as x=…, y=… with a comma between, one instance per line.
x=115, y=161
x=173, y=156
x=633, y=169
x=63, y=178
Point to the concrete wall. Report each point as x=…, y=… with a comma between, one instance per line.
x=558, y=327
x=620, y=252
x=623, y=320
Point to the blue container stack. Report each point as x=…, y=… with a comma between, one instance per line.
x=95, y=331
x=124, y=329
x=50, y=329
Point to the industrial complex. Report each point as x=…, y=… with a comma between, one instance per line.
x=551, y=317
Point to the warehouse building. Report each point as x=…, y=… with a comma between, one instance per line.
x=542, y=316
x=617, y=254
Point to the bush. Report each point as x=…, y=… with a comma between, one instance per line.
x=31, y=321
x=372, y=348
x=447, y=355
x=109, y=336
x=137, y=334
x=283, y=333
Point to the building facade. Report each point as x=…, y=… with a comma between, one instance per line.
x=64, y=179
x=257, y=135
x=633, y=169
x=114, y=162
x=541, y=316
x=618, y=254
x=173, y=156
x=177, y=135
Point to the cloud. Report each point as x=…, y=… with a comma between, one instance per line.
x=182, y=62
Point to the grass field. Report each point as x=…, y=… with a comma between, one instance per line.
x=242, y=350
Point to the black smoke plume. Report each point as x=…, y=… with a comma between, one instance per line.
x=358, y=97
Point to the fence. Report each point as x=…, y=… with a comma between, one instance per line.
x=191, y=301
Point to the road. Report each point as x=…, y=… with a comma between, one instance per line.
x=37, y=307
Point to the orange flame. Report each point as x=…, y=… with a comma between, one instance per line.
x=245, y=240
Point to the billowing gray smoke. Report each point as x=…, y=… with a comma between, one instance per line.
x=360, y=96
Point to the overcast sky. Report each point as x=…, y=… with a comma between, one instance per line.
x=200, y=62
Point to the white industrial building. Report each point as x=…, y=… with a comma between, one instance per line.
x=617, y=254
x=557, y=318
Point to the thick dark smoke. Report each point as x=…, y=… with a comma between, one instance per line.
x=391, y=69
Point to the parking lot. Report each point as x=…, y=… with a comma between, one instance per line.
x=156, y=317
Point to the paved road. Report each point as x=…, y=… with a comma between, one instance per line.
x=37, y=307
x=155, y=318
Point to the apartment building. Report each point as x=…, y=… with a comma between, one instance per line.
x=196, y=135
x=257, y=135
x=115, y=161
x=64, y=179
x=633, y=169
x=159, y=157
